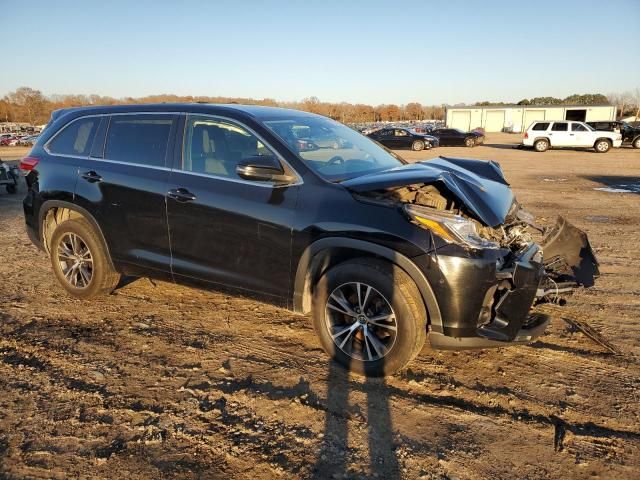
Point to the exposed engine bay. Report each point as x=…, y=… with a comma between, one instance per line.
x=568, y=259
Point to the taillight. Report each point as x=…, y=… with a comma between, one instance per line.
x=526, y=134
x=28, y=163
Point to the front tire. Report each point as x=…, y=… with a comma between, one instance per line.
x=636, y=143
x=417, y=145
x=541, y=145
x=12, y=189
x=369, y=316
x=469, y=142
x=602, y=146
x=80, y=260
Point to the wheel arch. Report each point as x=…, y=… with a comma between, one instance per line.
x=53, y=212
x=607, y=139
x=323, y=254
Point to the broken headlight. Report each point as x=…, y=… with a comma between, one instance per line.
x=451, y=228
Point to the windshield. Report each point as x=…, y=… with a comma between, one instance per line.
x=334, y=151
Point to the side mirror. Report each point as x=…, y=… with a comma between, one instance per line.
x=263, y=168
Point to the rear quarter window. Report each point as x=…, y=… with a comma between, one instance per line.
x=541, y=126
x=140, y=139
x=75, y=138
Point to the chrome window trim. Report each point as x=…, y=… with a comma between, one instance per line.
x=118, y=162
x=96, y=115
x=233, y=121
x=298, y=182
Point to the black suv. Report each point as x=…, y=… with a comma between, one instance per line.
x=383, y=253
x=630, y=134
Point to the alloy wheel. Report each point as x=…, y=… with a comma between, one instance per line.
x=76, y=261
x=361, y=321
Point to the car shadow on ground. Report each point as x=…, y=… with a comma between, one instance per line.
x=616, y=183
x=333, y=458
x=504, y=146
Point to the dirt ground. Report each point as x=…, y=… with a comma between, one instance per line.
x=164, y=381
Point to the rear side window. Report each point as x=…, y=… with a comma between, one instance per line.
x=141, y=139
x=560, y=127
x=75, y=139
x=541, y=126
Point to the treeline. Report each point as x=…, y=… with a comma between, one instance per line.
x=575, y=99
x=31, y=106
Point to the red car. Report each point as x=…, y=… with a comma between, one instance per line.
x=6, y=140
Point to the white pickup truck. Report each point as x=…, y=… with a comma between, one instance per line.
x=543, y=135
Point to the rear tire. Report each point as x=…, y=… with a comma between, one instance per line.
x=80, y=260
x=541, y=145
x=391, y=292
x=602, y=146
x=417, y=145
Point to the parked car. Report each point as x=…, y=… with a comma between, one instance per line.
x=565, y=134
x=382, y=253
x=28, y=141
x=630, y=134
x=452, y=137
x=8, y=140
x=403, y=138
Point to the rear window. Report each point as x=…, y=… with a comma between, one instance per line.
x=541, y=126
x=560, y=127
x=141, y=139
x=75, y=139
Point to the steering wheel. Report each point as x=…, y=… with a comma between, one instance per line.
x=336, y=160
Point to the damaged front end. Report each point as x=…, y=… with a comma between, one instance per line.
x=507, y=264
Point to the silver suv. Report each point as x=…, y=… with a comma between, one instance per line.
x=544, y=135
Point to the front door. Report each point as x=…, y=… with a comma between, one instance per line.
x=581, y=135
x=224, y=229
x=401, y=138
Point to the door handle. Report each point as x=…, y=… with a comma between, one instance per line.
x=91, y=176
x=181, y=195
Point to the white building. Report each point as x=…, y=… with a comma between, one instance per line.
x=517, y=118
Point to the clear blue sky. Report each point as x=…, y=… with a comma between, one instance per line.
x=357, y=51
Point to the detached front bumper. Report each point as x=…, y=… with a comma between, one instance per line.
x=486, y=301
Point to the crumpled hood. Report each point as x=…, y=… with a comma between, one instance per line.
x=478, y=184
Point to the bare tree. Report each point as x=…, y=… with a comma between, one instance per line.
x=621, y=100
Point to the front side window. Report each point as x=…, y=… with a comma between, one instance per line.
x=577, y=127
x=401, y=133
x=139, y=139
x=348, y=154
x=560, y=127
x=76, y=138
x=216, y=147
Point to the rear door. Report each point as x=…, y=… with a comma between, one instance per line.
x=225, y=229
x=123, y=184
x=559, y=135
x=385, y=137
